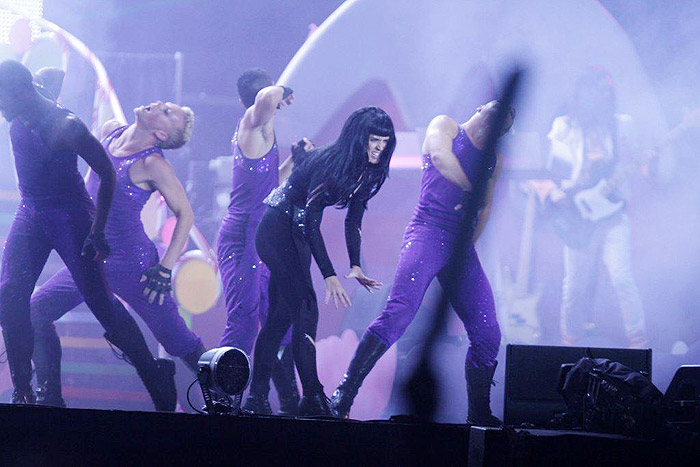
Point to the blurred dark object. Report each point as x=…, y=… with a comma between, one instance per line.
x=421, y=389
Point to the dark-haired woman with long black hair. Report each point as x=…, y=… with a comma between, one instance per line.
x=345, y=173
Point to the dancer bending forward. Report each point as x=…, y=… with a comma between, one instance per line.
x=345, y=173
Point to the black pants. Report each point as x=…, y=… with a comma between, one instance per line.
x=292, y=302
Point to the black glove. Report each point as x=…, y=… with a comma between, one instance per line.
x=299, y=150
x=95, y=246
x=287, y=92
x=157, y=279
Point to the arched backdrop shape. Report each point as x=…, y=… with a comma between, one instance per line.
x=424, y=50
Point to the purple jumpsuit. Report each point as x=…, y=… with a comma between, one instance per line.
x=427, y=248
x=132, y=252
x=55, y=212
x=244, y=275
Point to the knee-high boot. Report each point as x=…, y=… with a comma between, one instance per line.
x=157, y=375
x=285, y=380
x=47, y=361
x=479, y=381
x=19, y=357
x=368, y=352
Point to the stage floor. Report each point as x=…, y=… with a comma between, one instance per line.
x=31, y=435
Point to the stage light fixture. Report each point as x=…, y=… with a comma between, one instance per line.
x=223, y=374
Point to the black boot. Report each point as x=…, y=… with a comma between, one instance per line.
x=366, y=356
x=284, y=378
x=47, y=362
x=192, y=358
x=257, y=404
x=18, y=345
x=157, y=375
x=316, y=405
x=479, y=381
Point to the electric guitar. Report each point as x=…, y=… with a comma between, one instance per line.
x=577, y=215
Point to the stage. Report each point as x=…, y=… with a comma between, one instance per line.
x=36, y=436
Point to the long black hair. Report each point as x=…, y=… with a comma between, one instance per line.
x=344, y=164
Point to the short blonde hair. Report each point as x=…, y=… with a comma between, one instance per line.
x=180, y=136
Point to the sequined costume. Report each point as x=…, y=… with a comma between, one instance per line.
x=132, y=252
x=244, y=276
x=288, y=235
x=427, y=248
x=55, y=213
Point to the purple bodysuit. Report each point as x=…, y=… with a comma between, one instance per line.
x=427, y=248
x=244, y=276
x=55, y=213
x=132, y=252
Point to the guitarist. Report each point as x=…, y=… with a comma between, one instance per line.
x=589, y=143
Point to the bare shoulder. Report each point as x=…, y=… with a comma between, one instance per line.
x=68, y=121
x=64, y=129
x=157, y=167
x=440, y=131
x=445, y=125
x=109, y=127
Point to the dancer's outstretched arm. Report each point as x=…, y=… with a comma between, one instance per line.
x=255, y=133
x=76, y=137
x=162, y=178
x=353, y=240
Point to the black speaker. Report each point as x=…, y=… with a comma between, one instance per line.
x=682, y=398
x=532, y=378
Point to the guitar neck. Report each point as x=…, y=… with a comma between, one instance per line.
x=628, y=168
